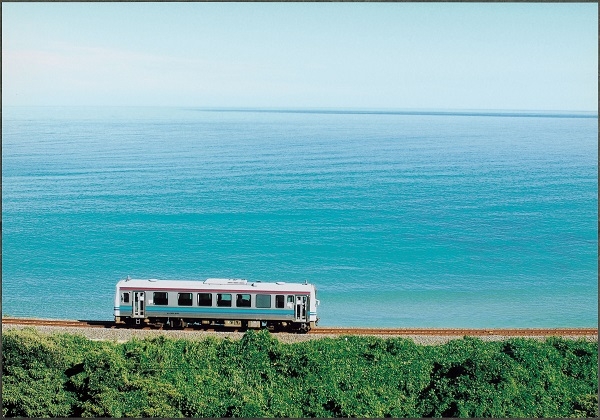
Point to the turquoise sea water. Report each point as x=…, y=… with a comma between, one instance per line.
x=400, y=219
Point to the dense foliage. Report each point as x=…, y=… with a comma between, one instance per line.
x=257, y=376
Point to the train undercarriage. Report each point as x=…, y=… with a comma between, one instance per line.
x=216, y=324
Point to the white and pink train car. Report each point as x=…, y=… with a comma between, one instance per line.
x=232, y=303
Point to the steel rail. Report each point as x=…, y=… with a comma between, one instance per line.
x=58, y=322
x=521, y=332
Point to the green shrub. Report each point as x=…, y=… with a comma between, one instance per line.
x=257, y=376
x=33, y=376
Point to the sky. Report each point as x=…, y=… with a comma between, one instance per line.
x=384, y=56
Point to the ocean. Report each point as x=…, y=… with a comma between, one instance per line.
x=400, y=219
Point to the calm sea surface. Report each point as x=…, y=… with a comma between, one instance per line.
x=399, y=219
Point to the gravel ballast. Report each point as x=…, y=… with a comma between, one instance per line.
x=123, y=335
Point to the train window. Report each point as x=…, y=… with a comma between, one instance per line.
x=161, y=298
x=279, y=301
x=242, y=301
x=204, y=299
x=290, y=300
x=184, y=299
x=223, y=299
x=125, y=297
x=263, y=301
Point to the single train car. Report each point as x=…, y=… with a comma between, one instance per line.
x=214, y=302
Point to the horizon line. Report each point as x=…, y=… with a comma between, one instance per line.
x=414, y=111
x=356, y=111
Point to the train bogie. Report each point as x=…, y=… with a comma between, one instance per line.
x=227, y=303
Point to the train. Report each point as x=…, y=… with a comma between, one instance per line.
x=216, y=303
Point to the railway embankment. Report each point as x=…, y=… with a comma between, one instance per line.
x=106, y=330
x=259, y=375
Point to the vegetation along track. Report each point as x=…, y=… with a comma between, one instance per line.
x=523, y=332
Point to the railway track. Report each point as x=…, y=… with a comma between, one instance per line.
x=523, y=332
x=459, y=331
x=59, y=323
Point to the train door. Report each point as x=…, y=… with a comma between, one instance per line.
x=138, y=305
x=300, y=312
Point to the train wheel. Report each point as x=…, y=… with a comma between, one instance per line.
x=303, y=328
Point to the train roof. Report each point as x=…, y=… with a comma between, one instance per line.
x=214, y=284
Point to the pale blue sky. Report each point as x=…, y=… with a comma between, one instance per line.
x=302, y=55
